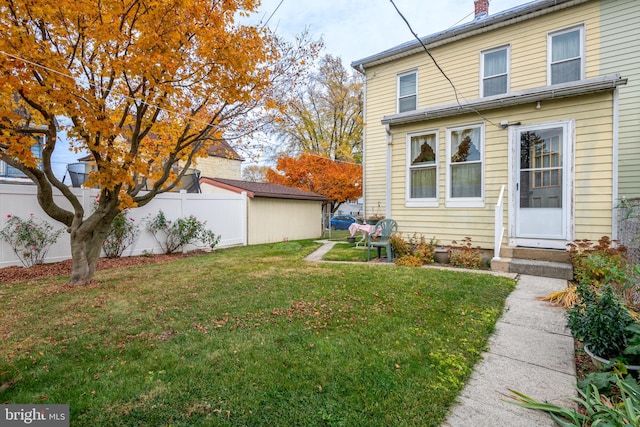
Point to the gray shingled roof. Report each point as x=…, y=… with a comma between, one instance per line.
x=263, y=189
x=224, y=150
x=507, y=17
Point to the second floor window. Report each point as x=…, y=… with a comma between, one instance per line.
x=495, y=71
x=566, y=61
x=407, y=91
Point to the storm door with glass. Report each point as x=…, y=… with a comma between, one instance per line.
x=541, y=183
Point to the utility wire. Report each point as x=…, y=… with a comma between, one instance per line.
x=455, y=90
x=273, y=13
x=468, y=15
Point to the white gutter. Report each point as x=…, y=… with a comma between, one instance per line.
x=543, y=93
x=364, y=144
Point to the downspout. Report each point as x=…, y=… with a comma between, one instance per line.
x=364, y=143
x=615, y=166
x=387, y=201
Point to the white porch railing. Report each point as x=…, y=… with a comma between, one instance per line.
x=499, y=226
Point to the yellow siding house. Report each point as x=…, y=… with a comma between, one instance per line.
x=526, y=121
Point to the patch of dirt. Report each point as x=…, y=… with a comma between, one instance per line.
x=584, y=363
x=63, y=268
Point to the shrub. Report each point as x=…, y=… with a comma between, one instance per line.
x=423, y=249
x=409, y=261
x=597, y=262
x=465, y=255
x=597, y=268
x=122, y=234
x=173, y=235
x=30, y=239
x=417, y=247
x=399, y=245
x=600, y=321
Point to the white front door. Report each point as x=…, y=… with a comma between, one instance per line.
x=541, y=185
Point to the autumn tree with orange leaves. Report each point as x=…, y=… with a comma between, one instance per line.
x=147, y=86
x=338, y=182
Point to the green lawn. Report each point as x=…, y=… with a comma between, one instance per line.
x=248, y=336
x=349, y=252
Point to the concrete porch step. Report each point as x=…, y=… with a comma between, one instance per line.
x=534, y=262
x=537, y=254
x=556, y=270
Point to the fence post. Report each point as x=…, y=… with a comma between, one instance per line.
x=245, y=224
x=183, y=201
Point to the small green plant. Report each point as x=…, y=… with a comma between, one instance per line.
x=596, y=262
x=174, y=235
x=600, y=321
x=465, y=255
x=596, y=268
x=122, y=234
x=595, y=408
x=30, y=239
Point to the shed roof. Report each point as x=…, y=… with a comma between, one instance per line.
x=262, y=189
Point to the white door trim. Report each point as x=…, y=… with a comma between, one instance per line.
x=567, y=179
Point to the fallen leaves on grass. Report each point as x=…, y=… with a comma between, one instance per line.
x=63, y=268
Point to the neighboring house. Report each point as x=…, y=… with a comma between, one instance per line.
x=11, y=175
x=275, y=213
x=547, y=105
x=352, y=207
x=222, y=162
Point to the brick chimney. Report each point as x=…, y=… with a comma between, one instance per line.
x=481, y=9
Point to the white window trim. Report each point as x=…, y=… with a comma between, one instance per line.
x=508, y=72
x=406, y=73
x=431, y=202
x=465, y=202
x=551, y=34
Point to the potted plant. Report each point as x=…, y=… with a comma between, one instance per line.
x=374, y=219
x=604, y=326
x=441, y=255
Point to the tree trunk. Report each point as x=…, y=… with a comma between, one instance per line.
x=85, y=253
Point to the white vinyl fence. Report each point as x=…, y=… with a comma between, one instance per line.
x=225, y=215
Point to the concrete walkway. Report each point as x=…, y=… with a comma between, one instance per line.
x=531, y=351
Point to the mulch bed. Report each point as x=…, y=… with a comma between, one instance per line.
x=63, y=268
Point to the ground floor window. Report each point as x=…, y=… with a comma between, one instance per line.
x=465, y=166
x=422, y=165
